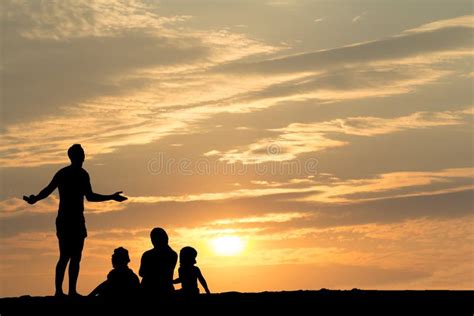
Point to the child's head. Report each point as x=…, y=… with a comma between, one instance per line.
x=120, y=257
x=159, y=237
x=187, y=256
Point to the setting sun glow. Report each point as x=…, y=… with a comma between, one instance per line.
x=227, y=245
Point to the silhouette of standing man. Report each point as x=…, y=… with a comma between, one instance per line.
x=73, y=184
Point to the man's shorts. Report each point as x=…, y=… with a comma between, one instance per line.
x=71, y=236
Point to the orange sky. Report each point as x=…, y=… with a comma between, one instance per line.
x=294, y=144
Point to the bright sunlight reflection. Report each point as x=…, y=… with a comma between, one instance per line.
x=228, y=245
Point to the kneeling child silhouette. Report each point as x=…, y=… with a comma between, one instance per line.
x=189, y=274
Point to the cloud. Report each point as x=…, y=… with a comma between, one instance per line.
x=51, y=75
x=358, y=18
x=383, y=186
x=108, y=68
x=300, y=138
x=450, y=36
x=386, y=185
x=347, y=84
x=372, y=126
x=272, y=213
x=69, y=19
x=211, y=153
x=76, y=50
x=235, y=194
x=381, y=68
x=15, y=207
x=266, y=218
x=461, y=21
x=287, y=148
x=279, y=3
x=164, y=81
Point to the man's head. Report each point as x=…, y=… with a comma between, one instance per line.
x=159, y=237
x=76, y=154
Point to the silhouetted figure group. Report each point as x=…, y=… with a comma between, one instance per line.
x=156, y=269
x=157, y=264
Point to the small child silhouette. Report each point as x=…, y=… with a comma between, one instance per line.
x=189, y=274
x=121, y=281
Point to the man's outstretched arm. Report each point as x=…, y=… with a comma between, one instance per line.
x=91, y=196
x=32, y=199
x=96, y=197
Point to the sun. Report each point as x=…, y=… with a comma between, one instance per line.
x=228, y=245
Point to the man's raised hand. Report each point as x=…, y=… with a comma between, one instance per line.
x=118, y=197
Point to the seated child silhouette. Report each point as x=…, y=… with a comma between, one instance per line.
x=157, y=266
x=121, y=282
x=189, y=274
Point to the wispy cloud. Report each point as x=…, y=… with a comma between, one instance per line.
x=129, y=64
x=267, y=218
x=371, y=126
x=335, y=191
x=359, y=17
x=15, y=206
x=279, y=3
x=449, y=36
x=149, y=98
x=299, y=138
x=461, y=21
x=216, y=196
x=387, y=186
x=70, y=19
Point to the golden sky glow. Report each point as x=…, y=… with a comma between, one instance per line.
x=326, y=142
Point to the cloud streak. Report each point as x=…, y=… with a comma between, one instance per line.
x=447, y=36
x=335, y=191
x=300, y=138
x=385, y=186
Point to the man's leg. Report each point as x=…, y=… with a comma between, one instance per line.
x=61, y=267
x=74, y=265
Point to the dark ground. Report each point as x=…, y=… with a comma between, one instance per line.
x=323, y=302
